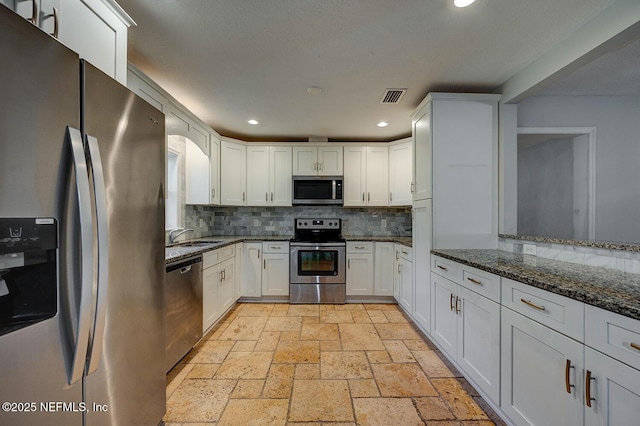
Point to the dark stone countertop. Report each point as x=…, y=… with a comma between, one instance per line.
x=608, y=289
x=180, y=251
x=406, y=241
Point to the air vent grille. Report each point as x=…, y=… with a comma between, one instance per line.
x=392, y=96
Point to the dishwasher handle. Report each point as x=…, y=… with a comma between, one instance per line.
x=183, y=265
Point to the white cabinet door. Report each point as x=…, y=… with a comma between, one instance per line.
x=214, y=170
x=384, y=260
x=210, y=308
x=478, y=345
x=140, y=87
x=405, y=274
x=305, y=161
x=464, y=174
x=238, y=276
x=421, y=243
x=226, y=285
x=258, y=176
x=400, y=174
x=330, y=161
x=275, y=274
x=360, y=274
x=355, y=176
x=280, y=176
x=444, y=327
x=97, y=31
x=197, y=174
x=252, y=270
x=615, y=389
x=534, y=367
x=377, y=179
x=422, y=143
x=233, y=174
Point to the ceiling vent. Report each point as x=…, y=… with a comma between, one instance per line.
x=393, y=96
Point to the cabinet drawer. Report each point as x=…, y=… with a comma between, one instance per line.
x=557, y=312
x=275, y=247
x=481, y=282
x=615, y=335
x=214, y=257
x=404, y=252
x=445, y=268
x=360, y=247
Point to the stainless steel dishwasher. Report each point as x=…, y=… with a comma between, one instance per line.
x=184, y=307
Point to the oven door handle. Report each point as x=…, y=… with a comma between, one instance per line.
x=318, y=245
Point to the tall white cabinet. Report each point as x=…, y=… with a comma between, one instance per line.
x=455, y=181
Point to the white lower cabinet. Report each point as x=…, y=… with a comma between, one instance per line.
x=252, y=270
x=360, y=270
x=384, y=259
x=421, y=247
x=613, y=397
x=541, y=373
x=218, y=284
x=275, y=268
x=404, y=277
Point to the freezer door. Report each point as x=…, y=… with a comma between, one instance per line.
x=129, y=377
x=40, y=98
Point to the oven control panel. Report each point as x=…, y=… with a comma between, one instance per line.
x=331, y=224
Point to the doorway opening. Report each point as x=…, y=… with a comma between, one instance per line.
x=556, y=182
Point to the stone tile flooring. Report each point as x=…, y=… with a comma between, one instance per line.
x=280, y=364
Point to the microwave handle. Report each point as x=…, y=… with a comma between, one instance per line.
x=333, y=189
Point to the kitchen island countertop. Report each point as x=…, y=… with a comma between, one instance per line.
x=604, y=288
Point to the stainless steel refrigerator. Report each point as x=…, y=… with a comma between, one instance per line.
x=81, y=240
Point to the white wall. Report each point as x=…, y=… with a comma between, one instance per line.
x=617, y=123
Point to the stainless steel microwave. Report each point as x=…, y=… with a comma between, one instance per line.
x=320, y=190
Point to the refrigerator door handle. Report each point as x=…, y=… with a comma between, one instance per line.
x=76, y=370
x=100, y=194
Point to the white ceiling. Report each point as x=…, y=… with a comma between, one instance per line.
x=232, y=60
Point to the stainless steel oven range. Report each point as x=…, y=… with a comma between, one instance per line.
x=317, y=267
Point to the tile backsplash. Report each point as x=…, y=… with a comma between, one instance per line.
x=220, y=221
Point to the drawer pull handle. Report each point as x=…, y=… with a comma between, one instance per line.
x=635, y=346
x=587, y=389
x=533, y=305
x=275, y=247
x=359, y=247
x=442, y=267
x=405, y=252
x=567, y=381
x=451, y=303
x=473, y=280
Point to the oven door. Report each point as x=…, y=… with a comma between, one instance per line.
x=317, y=263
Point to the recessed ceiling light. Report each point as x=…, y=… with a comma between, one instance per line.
x=314, y=90
x=462, y=3
x=383, y=124
x=253, y=122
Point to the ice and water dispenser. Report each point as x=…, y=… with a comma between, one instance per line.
x=28, y=265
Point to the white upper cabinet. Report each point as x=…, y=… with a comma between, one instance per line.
x=268, y=176
x=257, y=175
x=196, y=174
x=455, y=163
x=317, y=161
x=421, y=128
x=95, y=29
x=280, y=173
x=366, y=176
x=214, y=170
x=233, y=174
x=400, y=174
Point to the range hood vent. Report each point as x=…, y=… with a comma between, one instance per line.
x=392, y=96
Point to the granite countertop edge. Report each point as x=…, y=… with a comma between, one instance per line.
x=607, y=289
x=184, y=252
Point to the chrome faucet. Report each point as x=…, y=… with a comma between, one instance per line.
x=175, y=233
